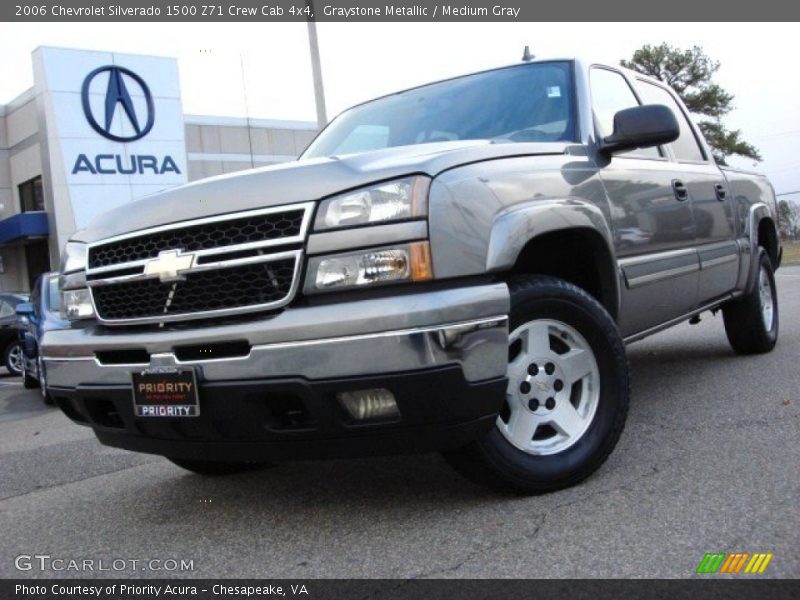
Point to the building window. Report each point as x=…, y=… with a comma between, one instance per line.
x=31, y=197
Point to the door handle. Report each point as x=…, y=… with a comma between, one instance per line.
x=680, y=190
x=720, y=191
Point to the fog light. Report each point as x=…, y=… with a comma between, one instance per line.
x=77, y=304
x=369, y=404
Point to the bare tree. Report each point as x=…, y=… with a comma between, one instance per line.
x=789, y=219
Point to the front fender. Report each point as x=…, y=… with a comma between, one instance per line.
x=470, y=205
x=514, y=228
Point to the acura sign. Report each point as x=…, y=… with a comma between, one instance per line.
x=117, y=97
x=114, y=127
x=118, y=102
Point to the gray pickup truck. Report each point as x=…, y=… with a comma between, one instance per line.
x=456, y=267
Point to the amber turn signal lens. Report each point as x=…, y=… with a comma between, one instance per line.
x=421, y=268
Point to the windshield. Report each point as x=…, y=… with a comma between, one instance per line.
x=527, y=103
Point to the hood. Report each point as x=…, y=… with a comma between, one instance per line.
x=298, y=181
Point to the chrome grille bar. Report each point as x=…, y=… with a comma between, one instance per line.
x=306, y=207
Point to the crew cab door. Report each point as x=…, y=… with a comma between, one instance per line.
x=711, y=200
x=651, y=215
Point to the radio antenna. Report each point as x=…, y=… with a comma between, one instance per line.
x=526, y=54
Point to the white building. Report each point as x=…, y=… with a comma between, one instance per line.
x=100, y=129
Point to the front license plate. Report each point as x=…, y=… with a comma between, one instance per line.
x=165, y=392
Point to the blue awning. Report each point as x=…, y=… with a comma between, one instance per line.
x=23, y=226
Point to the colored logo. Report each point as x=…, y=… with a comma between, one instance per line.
x=118, y=98
x=735, y=563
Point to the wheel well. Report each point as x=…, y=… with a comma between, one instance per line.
x=768, y=239
x=580, y=256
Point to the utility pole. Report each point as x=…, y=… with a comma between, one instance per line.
x=316, y=68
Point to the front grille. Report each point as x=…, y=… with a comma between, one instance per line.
x=221, y=289
x=224, y=266
x=205, y=236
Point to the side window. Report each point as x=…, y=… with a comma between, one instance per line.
x=611, y=94
x=685, y=147
x=6, y=310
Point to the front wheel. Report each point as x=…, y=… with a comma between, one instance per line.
x=46, y=397
x=12, y=358
x=29, y=382
x=567, y=396
x=213, y=468
x=751, y=322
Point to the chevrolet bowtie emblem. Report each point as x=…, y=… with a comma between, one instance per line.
x=169, y=265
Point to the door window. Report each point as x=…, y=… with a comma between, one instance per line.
x=611, y=94
x=686, y=148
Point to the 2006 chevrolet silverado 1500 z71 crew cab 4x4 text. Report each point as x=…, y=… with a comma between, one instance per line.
x=456, y=267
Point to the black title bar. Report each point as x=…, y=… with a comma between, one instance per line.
x=383, y=589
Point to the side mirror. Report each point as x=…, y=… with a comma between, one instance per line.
x=24, y=309
x=641, y=127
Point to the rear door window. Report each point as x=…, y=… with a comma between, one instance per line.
x=686, y=148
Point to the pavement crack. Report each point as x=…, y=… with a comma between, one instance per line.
x=528, y=536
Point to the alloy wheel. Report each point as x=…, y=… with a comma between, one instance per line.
x=15, y=359
x=553, y=387
x=766, y=299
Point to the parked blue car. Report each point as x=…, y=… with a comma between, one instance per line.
x=41, y=315
x=10, y=348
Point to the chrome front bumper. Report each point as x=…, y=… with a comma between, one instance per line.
x=466, y=326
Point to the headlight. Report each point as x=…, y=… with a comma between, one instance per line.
x=74, y=257
x=396, y=200
x=77, y=304
x=407, y=262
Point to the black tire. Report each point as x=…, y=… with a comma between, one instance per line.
x=28, y=381
x=46, y=397
x=493, y=461
x=744, y=324
x=8, y=360
x=211, y=468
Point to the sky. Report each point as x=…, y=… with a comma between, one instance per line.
x=262, y=70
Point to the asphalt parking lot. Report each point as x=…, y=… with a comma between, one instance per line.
x=709, y=461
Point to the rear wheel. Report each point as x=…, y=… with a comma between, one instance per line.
x=567, y=395
x=751, y=322
x=12, y=358
x=214, y=468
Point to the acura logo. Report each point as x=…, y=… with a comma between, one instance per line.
x=118, y=98
x=169, y=265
